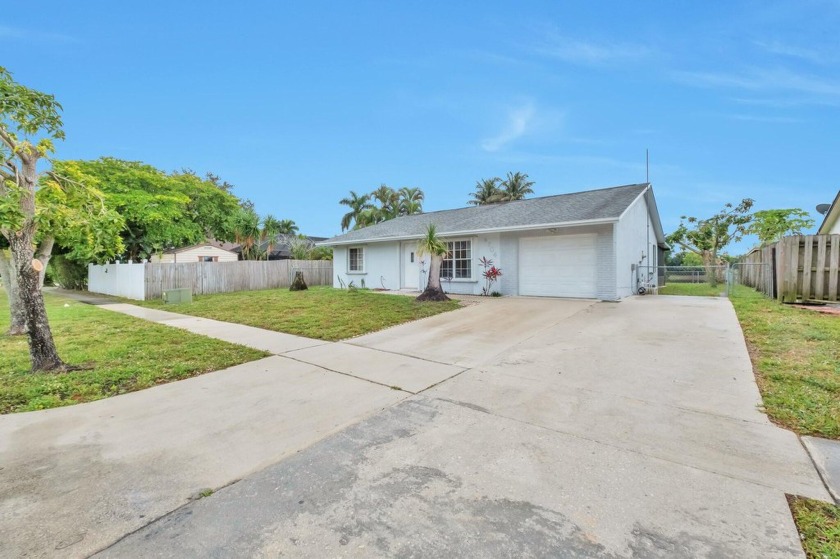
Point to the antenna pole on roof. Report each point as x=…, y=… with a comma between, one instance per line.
x=647, y=165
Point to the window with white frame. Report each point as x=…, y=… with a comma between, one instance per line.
x=457, y=264
x=356, y=260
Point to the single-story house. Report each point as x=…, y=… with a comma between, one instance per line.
x=209, y=251
x=831, y=221
x=592, y=244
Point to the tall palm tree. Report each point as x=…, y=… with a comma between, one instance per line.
x=357, y=205
x=271, y=228
x=389, y=202
x=486, y=192
x=516, y=186
x=432, y=245
x=411, y=200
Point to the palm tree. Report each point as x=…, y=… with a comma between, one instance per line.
x=516, y=186
x=271, y=228
x=246, y=233
x=486, y=192
x=389, y=202
x=432, y=245
x=357, y=205
x=369, y=216
x=288, y=227
x=411, y=200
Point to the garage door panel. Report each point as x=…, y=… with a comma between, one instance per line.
x=559, y=266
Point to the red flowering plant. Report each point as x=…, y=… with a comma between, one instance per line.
x=491, y=274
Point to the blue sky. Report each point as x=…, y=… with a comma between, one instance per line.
x=298, y=103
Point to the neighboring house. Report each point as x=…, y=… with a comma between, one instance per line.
x=831, y=222
x=586, y=244
x=210, y=251
x=280, y=249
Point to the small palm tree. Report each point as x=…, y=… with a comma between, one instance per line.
x=516, y=186
x=246, y=232
x=436, y=248
x=357, y=205
x=410, y=201
x=486, y=192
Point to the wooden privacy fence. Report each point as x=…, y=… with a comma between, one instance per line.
x=149, y=281
x=224, y=277
x=799, y=268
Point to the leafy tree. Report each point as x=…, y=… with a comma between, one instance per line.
x=683, y=258
x=436, y=248
x=159, y=210
x=358, y=205
x=771, y=225
x=29, y=123
x=708, y=237
x=516, y=186
x=487, y=191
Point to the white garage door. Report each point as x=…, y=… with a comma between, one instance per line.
x=560, y=266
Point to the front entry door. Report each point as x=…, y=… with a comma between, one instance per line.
x=411, y=266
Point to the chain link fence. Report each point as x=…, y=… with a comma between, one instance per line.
x=649, y=279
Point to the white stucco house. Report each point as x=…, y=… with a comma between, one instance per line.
x=831, y=221
x=210, y=251
x=583, y=245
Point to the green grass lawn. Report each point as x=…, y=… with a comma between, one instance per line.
x=700, y=289
x=124, y=354
x=324, y=313
x=796, y=357
x=819, y=527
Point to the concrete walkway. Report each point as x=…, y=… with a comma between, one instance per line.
x=537, y=428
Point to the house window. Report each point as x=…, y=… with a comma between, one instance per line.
x=208, y=258
x=356, y=263
x=457, y=264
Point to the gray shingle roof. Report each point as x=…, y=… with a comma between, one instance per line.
x=605, y=203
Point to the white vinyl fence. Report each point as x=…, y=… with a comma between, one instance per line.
x=122, y=280
x=149, y=281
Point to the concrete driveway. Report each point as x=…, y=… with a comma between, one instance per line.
x=550, y=428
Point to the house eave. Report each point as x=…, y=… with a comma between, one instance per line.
x=469, y=232
x=831, y=216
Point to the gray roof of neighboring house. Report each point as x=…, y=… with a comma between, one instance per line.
x=604, y=204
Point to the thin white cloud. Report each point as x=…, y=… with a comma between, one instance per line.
x=519, y=122
x=782, y=49
x=763, y=80
x=767, y=119
x=590, y=52
x=19, y=34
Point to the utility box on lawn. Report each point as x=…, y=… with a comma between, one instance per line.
x=178, y=295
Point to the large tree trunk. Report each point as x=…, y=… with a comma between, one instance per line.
x=8, y=276
x=42, y=350
x=44, y=254
x=433, y=291
x=710, y=265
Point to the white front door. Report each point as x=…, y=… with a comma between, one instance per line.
x=411, y=266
